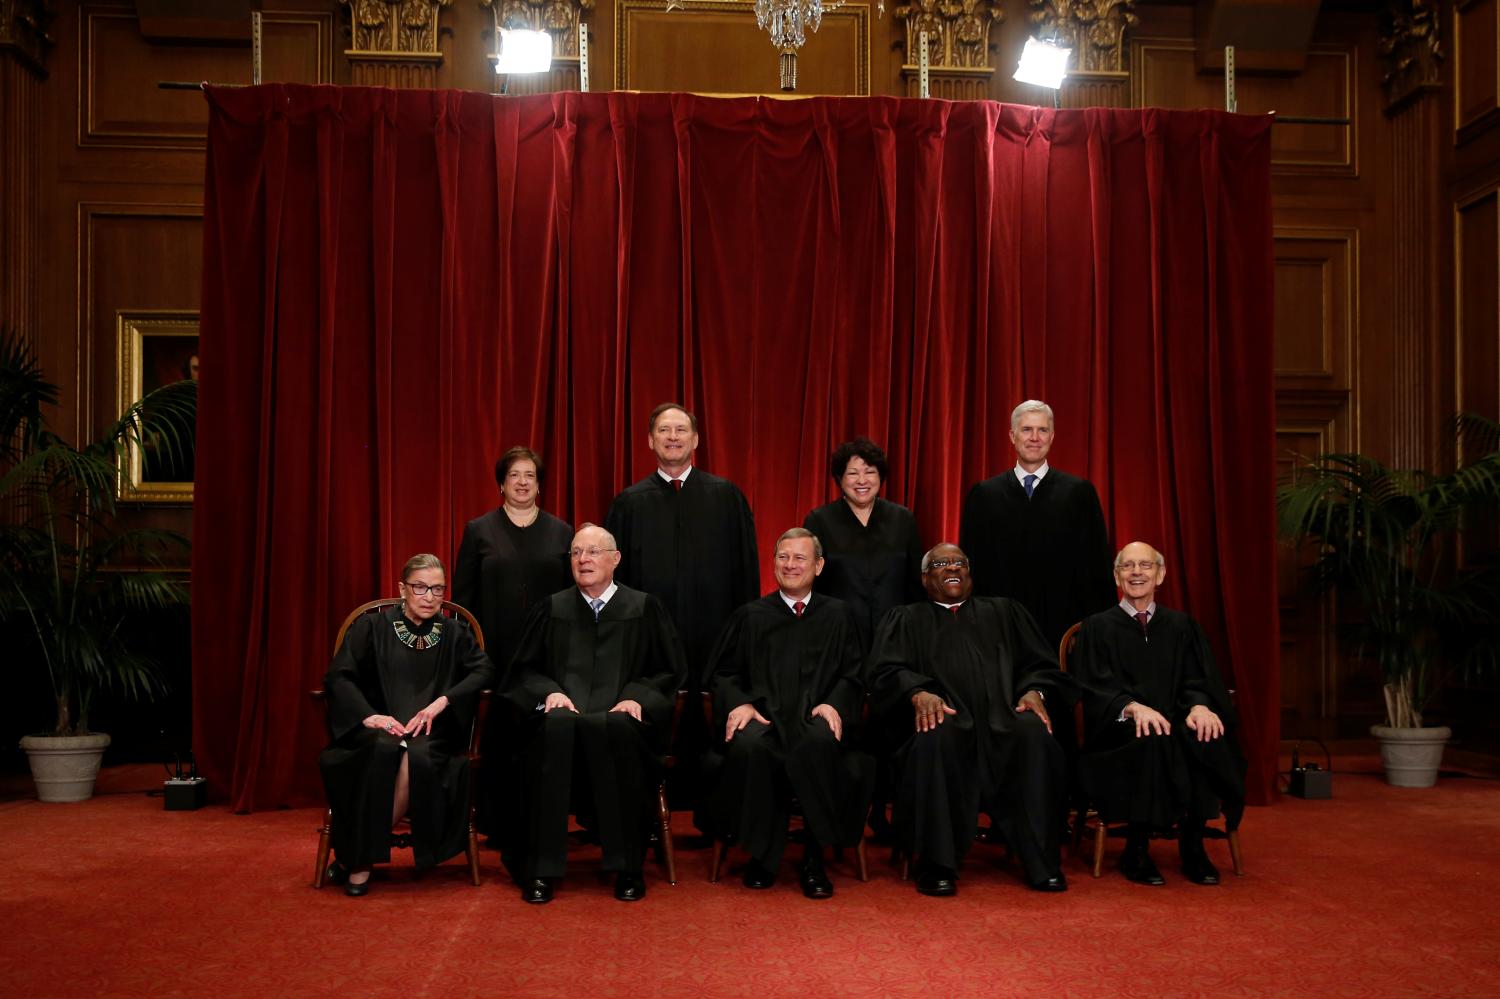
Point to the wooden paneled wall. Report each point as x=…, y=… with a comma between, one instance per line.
x=1387, y=228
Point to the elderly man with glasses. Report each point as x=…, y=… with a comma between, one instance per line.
x=1160, y=747
x=597, y=668
x=973, y=681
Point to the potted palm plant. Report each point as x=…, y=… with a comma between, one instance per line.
x=70, y=573
x=1387, y=543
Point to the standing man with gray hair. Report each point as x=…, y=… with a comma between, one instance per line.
x=1036, y=534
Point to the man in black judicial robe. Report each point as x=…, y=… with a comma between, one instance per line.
x=688, y=538
x=1160, y=746
x=786, y=684
x=1037, y=535
x=980, y=680
x=597, y=670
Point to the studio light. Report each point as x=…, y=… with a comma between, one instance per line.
x=1043, y=64
x=524, y=51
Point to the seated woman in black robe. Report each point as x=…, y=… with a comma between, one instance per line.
x=401, y=696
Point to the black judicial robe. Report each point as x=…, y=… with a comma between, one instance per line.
x=694, y=548
x=374, y=673
x=986, y=757
x=631, y=653
x=502, y=569
x=786, y=666
x=1155, y=780
x=1051, y=552
x=871, y=567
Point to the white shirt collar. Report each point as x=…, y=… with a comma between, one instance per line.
x=1129, y=608
x=1040, y=473
x=949, y=607
x=792, y=601
x=613, y=586
x=667, y=478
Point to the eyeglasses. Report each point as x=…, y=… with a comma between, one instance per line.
x=1146, y=565
x=577, y=553
x=942, y=563
x=422, y=589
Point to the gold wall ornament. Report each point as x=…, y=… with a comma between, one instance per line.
x=958, y=34
x=559, y=18
x=1093, y=29
x=1411, y=48
x=395, y=27
x=394, y=42
x=23, y=31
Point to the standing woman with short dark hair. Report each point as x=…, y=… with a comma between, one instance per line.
x=401, y=696
x=510, y=559
x=872, y=550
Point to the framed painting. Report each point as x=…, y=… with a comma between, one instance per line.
x=155, y=348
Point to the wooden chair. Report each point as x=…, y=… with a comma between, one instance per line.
x=476, y=732
x=1101, y=831
x=721, y=847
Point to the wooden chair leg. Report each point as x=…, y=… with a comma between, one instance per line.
x=323, y=843
x=1100, y=832
x=664, y=813
x=1234, y=853
x=473, y=852
x=859, y=855
x=716, y=861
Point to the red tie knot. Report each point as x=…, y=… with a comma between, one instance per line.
x=677, y=484
x=798, y=607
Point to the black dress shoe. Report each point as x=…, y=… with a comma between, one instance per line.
x=630, y=887
x=337, y=873
x=814, y=878
x=757, y=876
x=939, y=882
x=1138, y=867
x=356, y=890
x=536, y=890
x=1055, y=883
x=1199, y=869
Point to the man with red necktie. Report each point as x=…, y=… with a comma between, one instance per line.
x=785, y=678
x=1160, y=748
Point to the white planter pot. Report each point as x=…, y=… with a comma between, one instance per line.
x=1411, y=755
x=64, y=766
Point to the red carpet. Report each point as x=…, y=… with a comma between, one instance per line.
x=1379, y=892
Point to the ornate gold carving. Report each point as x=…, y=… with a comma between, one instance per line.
x=23, y=31
x=1093, y=29
x=1410, y=47
x=559, y=18
x=395, y=27
x=958, y=34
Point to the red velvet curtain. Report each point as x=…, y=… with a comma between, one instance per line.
x=400, y=284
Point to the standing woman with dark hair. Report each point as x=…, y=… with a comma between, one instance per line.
x=872, y=550
x=509, y=559
x=401, y=696
x=513, y=556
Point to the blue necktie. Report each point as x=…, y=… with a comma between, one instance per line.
x=1030, y=481
x=598, y=606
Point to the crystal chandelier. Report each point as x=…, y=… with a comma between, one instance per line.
x=788, y=22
